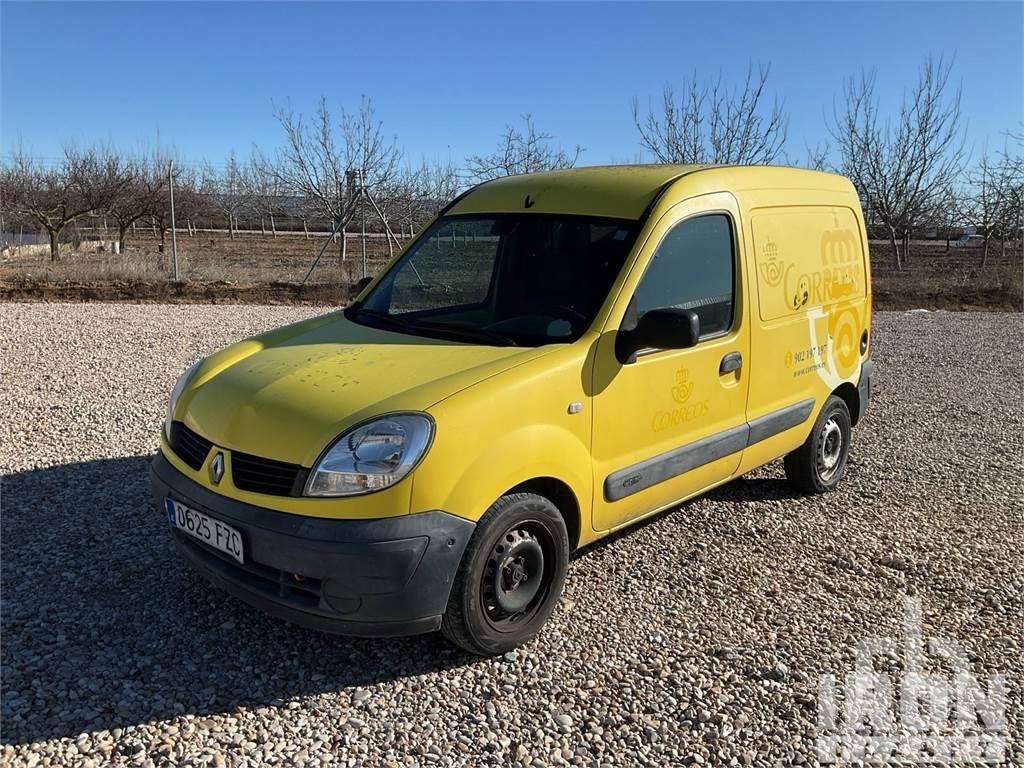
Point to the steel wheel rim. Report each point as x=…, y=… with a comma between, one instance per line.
x=830, y=449
x=517, y=576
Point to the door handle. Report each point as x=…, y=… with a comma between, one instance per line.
x=731, y=362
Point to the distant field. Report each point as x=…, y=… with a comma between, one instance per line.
x=206, y=256
x=257, y=268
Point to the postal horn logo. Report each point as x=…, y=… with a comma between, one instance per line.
x=683, y=388
x=772, y=269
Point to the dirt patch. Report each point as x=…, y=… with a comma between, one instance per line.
x=223, y=292
x=987, y=300
x=167, y=292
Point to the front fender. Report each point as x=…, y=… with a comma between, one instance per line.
x=532, y=452
x=507, y=430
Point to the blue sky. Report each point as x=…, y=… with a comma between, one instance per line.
x=206, y=77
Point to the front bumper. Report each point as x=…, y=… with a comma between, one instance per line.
x=378, y=578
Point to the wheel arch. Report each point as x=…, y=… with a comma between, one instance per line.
x=848, y=393
x=562, y=496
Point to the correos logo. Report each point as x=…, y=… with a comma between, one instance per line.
x=687, y=411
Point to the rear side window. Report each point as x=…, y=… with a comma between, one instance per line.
x=693, y=268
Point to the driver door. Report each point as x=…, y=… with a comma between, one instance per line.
x=672, y=422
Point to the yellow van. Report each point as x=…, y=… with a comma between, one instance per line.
x=556, y=357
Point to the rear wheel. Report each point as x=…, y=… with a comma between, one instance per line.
x=817, y=466
x=510, y=577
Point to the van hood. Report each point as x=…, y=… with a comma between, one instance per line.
x=286, y=394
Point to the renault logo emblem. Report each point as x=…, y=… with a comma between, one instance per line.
x=217, y=468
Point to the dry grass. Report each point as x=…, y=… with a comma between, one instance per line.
x=205, y=257
x=957, y=279
x=213, y=262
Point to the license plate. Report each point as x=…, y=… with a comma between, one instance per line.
x=208, y=530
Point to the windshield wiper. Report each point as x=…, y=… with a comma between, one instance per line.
x=411, y=326
x=465, y=332
x=383, y=317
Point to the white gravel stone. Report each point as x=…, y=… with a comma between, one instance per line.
x=114, y=653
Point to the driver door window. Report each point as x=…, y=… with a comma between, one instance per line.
x=693, y=268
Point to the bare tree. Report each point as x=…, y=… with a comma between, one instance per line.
x=817, y=158
x=948, y=212
x=143, y=194
x=264, y=191
x=1012, y=161
x=11, y=223
x=421, y=192
x=226, y=191
x=525, y=150
x=712, y=123
x=993, y=207
x=986, y=199
x=84, y=180
x=901, y=167
x=297, y=206
x=329, y=164
x=190, y=200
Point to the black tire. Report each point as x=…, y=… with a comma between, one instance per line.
x=817, y=466
x=520, y=543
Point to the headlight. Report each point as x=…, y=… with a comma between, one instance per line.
x=179, y=387
x=372, y=456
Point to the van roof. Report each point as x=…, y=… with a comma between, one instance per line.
x=621, y=191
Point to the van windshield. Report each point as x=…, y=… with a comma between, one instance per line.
x=523, y=279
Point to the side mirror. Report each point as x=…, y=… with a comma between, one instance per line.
x=361, y=285
x=659, y=329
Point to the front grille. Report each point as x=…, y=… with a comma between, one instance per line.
x=190, y=447
x=250, y=473
x=253, y=473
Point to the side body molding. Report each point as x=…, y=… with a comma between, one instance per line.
x=772, y=423
x=637, y=477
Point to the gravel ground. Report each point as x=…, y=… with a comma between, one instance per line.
x=698, y=637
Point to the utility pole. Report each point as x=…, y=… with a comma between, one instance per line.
x=1020, y=219
x=341, y=225
x=362, y=217
x=174, y=236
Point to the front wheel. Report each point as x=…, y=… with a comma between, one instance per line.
x=510, y=577
x=817, y=466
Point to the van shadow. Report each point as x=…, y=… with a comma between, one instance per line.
x=753, y=489
x=103, y=626
x=740, y=491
